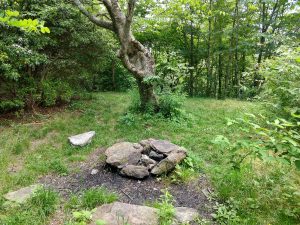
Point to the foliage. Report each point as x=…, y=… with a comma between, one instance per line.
x=9, y=18
x=170, y=105
x=166, y=210
x=187, y=170
x=282, y=84
x=226, y=213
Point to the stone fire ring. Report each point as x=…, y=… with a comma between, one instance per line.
x=150, y=156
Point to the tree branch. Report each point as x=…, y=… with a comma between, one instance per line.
x=101, y=23
x=130, y=12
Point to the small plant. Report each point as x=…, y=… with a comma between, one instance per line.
x=166, y=210
x=187, y=170
x=45, y=200
x=170, y=105
x=226, y=213
x=97, y=196
x=82, y=217
x=127, y=119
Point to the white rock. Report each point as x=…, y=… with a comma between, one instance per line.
x=94, y=171
x=82, y=139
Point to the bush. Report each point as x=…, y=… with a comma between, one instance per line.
x=170, y=105
x=282, y=81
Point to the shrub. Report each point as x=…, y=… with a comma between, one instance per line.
x=282, y=81
x=170, y=104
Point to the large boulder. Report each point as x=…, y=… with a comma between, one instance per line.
x=82, y=139
x=169, y=163
x=139, y=172
x=122, y=154
x=122, y=213
x=21, y=195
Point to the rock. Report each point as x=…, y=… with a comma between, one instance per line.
x=121, y=213
x=94, y=171
x=147, y=161
x=82, y=139
x=156, y=156
x=169, y=163
x=146, y=146
x=21, y=195
x=163, y=147
x=123, y=153
x=135, y=171
x=185, y=215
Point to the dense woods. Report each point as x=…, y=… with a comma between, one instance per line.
x=203, y=48
x=219, y=80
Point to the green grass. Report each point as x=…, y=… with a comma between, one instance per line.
x=38, y=149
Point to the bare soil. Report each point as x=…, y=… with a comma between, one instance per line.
x=140, y=192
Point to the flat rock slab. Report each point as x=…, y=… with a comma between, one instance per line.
x=82, y=139
x=163, y=146
x=122, y=213
x=135, y=171
x=21, y=195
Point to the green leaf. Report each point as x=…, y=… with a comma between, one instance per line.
x=297, y=164
x=45, y=30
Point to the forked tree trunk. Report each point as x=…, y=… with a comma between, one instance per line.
x=135, y=57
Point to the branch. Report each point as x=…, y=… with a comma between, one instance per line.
x=93, y=18
x=130, y=12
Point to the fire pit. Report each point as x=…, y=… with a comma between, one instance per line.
x=150, y=156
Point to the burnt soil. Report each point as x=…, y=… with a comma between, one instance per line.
x=140, y=192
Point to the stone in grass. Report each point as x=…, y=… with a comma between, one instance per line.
x=122, y=213
x=138, y=172
x=184, y=215
x=21, y=195
x=122, y=154
x=169, y=163
x=82, y=139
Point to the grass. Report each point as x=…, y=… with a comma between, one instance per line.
x=36, y=149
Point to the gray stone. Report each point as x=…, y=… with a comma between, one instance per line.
x=21, y=195
x=82, y=139
x=185, y=215
x=156, y=156
x=169, y=163
x=145, y=160
x=121, y=213
x=163, y=146
x=146, y=146
x=94, y=171
x=122, y=154
x=118, y=213
x=139, y=172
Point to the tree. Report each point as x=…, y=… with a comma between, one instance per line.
x=135, y=57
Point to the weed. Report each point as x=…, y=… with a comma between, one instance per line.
x=166, y=210
x=226, y=213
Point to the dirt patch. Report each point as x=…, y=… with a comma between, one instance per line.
x=129, y=190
